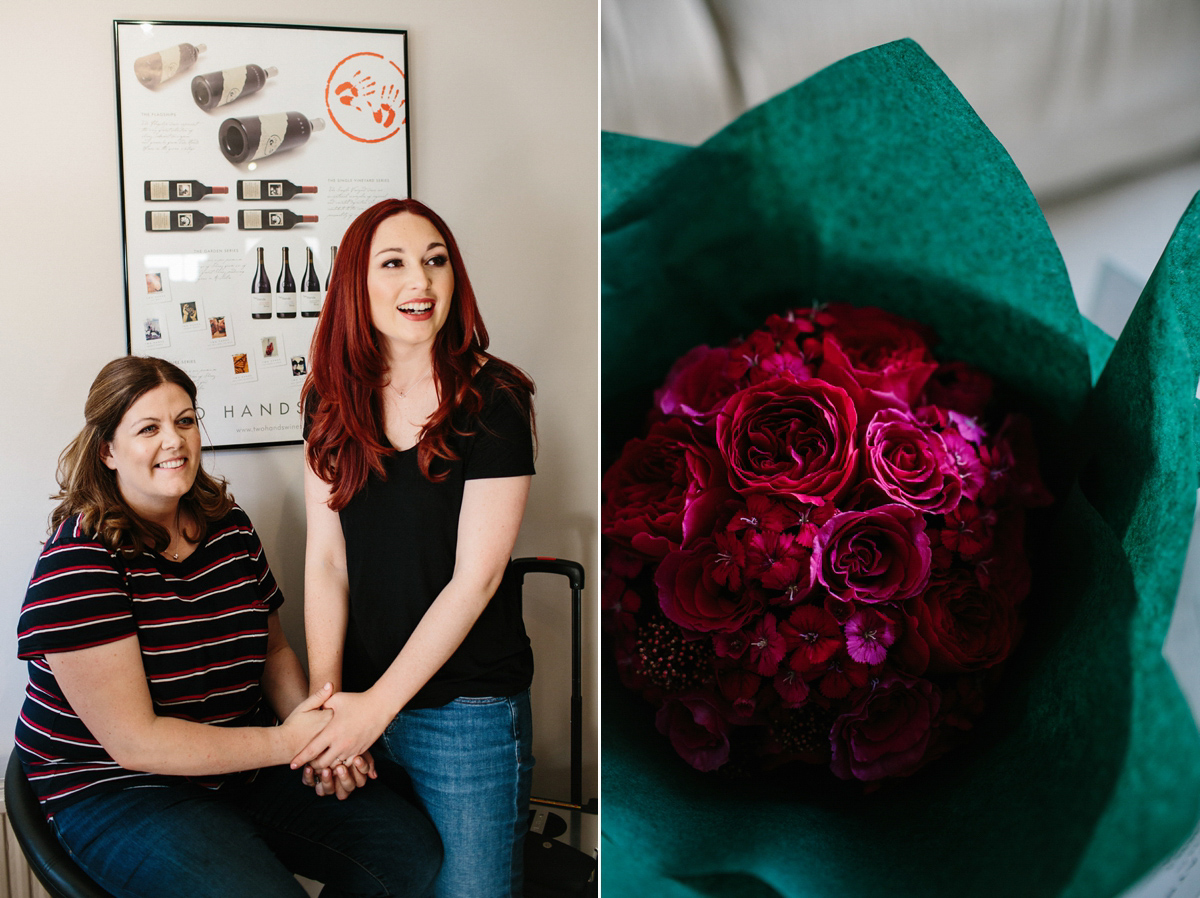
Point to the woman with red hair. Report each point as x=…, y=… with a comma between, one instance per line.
x=419, y=455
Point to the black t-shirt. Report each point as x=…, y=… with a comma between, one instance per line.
x=401, y=535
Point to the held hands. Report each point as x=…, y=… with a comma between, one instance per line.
x=307, y=720
x=341, y=779
x=357, y=722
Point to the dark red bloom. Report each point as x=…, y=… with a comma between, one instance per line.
x=785, y=438
x=879, y=555
x=966, y=626
x=644, y=491
x=887, y=732
x=696, y=728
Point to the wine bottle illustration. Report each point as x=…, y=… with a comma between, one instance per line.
x=285, y=290
x=189, y=220
x=332, y=259
x=260, y=290
x=310, y=289
x=218, y=88
x=167, y=191
x=270, y=190
x=154, y=69
x=270, y=219
x=256, y=136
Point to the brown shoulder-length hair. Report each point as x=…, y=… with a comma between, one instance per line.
x=345, y=440
x=88, y=487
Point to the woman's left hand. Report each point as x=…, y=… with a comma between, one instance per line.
x=358, y=720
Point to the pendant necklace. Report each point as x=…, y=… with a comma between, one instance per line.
x=404, y=393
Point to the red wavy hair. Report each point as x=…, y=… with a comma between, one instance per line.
x=341, y=394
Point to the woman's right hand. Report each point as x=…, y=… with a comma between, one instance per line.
x=306, y=720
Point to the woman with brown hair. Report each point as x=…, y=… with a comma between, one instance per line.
x=420, y=452
x=158, y=672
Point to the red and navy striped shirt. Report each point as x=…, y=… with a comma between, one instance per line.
x=202, y=626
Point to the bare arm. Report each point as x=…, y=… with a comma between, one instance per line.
x=487, y=531
x=283, y=681
x=106, y=685
x=326, y=588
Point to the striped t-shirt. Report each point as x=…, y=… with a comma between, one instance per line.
x=202, y=625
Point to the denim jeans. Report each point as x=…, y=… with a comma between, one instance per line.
x=248, y=840
x=471, y=767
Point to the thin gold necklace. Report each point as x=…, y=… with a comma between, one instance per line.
x=404, y=393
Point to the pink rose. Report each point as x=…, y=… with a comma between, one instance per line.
x=789, y=438
x=911, y=462
x=887, y=731
x=880, y=555
x=697, y=730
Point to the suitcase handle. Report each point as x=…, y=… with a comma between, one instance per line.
x=541, y=564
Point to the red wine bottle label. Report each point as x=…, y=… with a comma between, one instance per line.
x=274, y=129
x=161, y=190
x=252, y=219
x=250, y=190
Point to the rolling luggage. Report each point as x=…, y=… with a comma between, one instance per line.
x=554, y=869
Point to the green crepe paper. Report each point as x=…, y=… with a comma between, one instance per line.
x=874, y=182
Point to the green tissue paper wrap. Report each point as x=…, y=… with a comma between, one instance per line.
x=874, y=182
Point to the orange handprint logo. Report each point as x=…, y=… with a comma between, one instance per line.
x=365, y=96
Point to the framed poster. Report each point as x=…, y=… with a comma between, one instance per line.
x=245, y=151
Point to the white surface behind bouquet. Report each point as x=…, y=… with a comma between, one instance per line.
x=1097, y=101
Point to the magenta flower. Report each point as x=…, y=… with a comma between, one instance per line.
x=766, y=647
x=696, y=384
x=868, y=636
x=879, y=555
x=911, y=462
x=813, y=635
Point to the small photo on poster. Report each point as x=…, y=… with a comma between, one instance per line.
x=154, y=332
x=220, y=330
x=299, y=366
x=270, y=352
x=190, y=318
x=241, y=367
x=158, y=286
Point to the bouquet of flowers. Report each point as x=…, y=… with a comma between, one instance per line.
x=875, y=181
x=817, y=546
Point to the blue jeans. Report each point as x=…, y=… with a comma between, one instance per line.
x=248, y=840
x=471, y=767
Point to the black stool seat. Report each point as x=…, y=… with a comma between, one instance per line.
x=49, y=861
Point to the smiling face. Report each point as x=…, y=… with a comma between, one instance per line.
x=155, y=450
x=410, y=282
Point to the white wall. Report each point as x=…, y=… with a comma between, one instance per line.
x=503, y=137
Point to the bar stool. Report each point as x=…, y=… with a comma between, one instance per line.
x=49, y=861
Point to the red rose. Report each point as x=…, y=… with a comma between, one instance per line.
x=966, y=626
x=644, y=490
x=697, y=730
x=887, y=732
x=877, y=351
x=789, y=438
x=692, y=598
